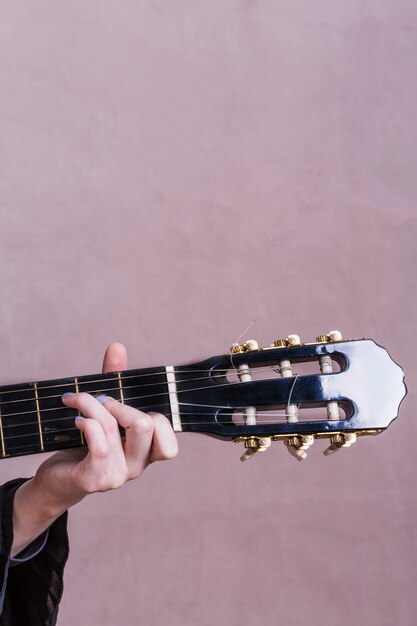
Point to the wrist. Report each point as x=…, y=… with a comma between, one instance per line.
x=36, y=503
x=33, y=512
x=31, y=505
x=51, y=498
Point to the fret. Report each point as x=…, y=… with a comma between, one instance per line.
x=122, y=400
x=38, y=415
x=146, y=389
x=3, y=448
x=19, y=420
x=58, y=421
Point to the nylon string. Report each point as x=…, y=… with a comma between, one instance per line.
x=112, y=389
x=116, y=380
x=260, y=420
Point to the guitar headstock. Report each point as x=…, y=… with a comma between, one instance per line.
x=293, y=392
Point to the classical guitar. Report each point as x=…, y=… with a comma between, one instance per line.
x=290, y=392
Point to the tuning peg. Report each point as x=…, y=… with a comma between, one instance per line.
x=300, y=455
x=248, y=346
x=254, y=445
x=333, y=335
x=298, y=445
x=341, y=440
x=292, y=340
x=248, y=454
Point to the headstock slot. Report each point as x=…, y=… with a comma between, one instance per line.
x=278, y=414
x=300, y=366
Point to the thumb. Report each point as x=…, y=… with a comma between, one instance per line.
x=115, y=358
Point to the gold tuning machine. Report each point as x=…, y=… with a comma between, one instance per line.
x=340, y=440
x=298, y=445
x=253, y=445
x=248, y=346
x=333, y=335
x=292, y=340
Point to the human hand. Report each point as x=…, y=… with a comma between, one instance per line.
x=110, y=460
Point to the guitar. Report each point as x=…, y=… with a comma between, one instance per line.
x=251, y=395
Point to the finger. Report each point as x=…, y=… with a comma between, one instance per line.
x=115, y=358
x=91, y=407
x=92, y=469
x=165, y=444
x=139, y=430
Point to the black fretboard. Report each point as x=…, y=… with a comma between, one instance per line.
x=34, y=419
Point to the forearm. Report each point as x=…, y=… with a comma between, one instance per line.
x=33, y=512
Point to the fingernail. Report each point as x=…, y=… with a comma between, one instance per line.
x=102, y=398
x=79, y=418
x=67, y=394
x=152, y=412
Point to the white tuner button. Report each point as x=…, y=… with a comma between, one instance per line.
x=294, y=340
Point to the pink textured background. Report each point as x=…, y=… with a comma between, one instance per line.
x=169, y=172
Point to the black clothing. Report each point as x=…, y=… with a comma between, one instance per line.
x=31, y=586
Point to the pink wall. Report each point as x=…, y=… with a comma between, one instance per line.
x=169, y=172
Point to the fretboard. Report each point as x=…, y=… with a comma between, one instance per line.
x=33, y=418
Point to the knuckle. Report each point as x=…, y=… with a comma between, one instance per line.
x=101, y=452
x=110, y=425
x=143, y=425
x=161, y=417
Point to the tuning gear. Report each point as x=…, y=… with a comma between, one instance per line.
x=254, y=445
x=297, y=446
x=248, y=346
x=332, y=336
x=341, y=440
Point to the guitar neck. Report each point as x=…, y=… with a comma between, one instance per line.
x=252, y=395
x=33, y=418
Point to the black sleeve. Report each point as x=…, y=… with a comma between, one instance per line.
x=30, y=590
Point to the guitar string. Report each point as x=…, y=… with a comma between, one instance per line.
x=236, y=342
x=62, y=418
x=264, y=419
x=70, y=380
x=126, y=376
x=73, y=429
x=101, y=389
x=165, y=393
x=253, y=371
